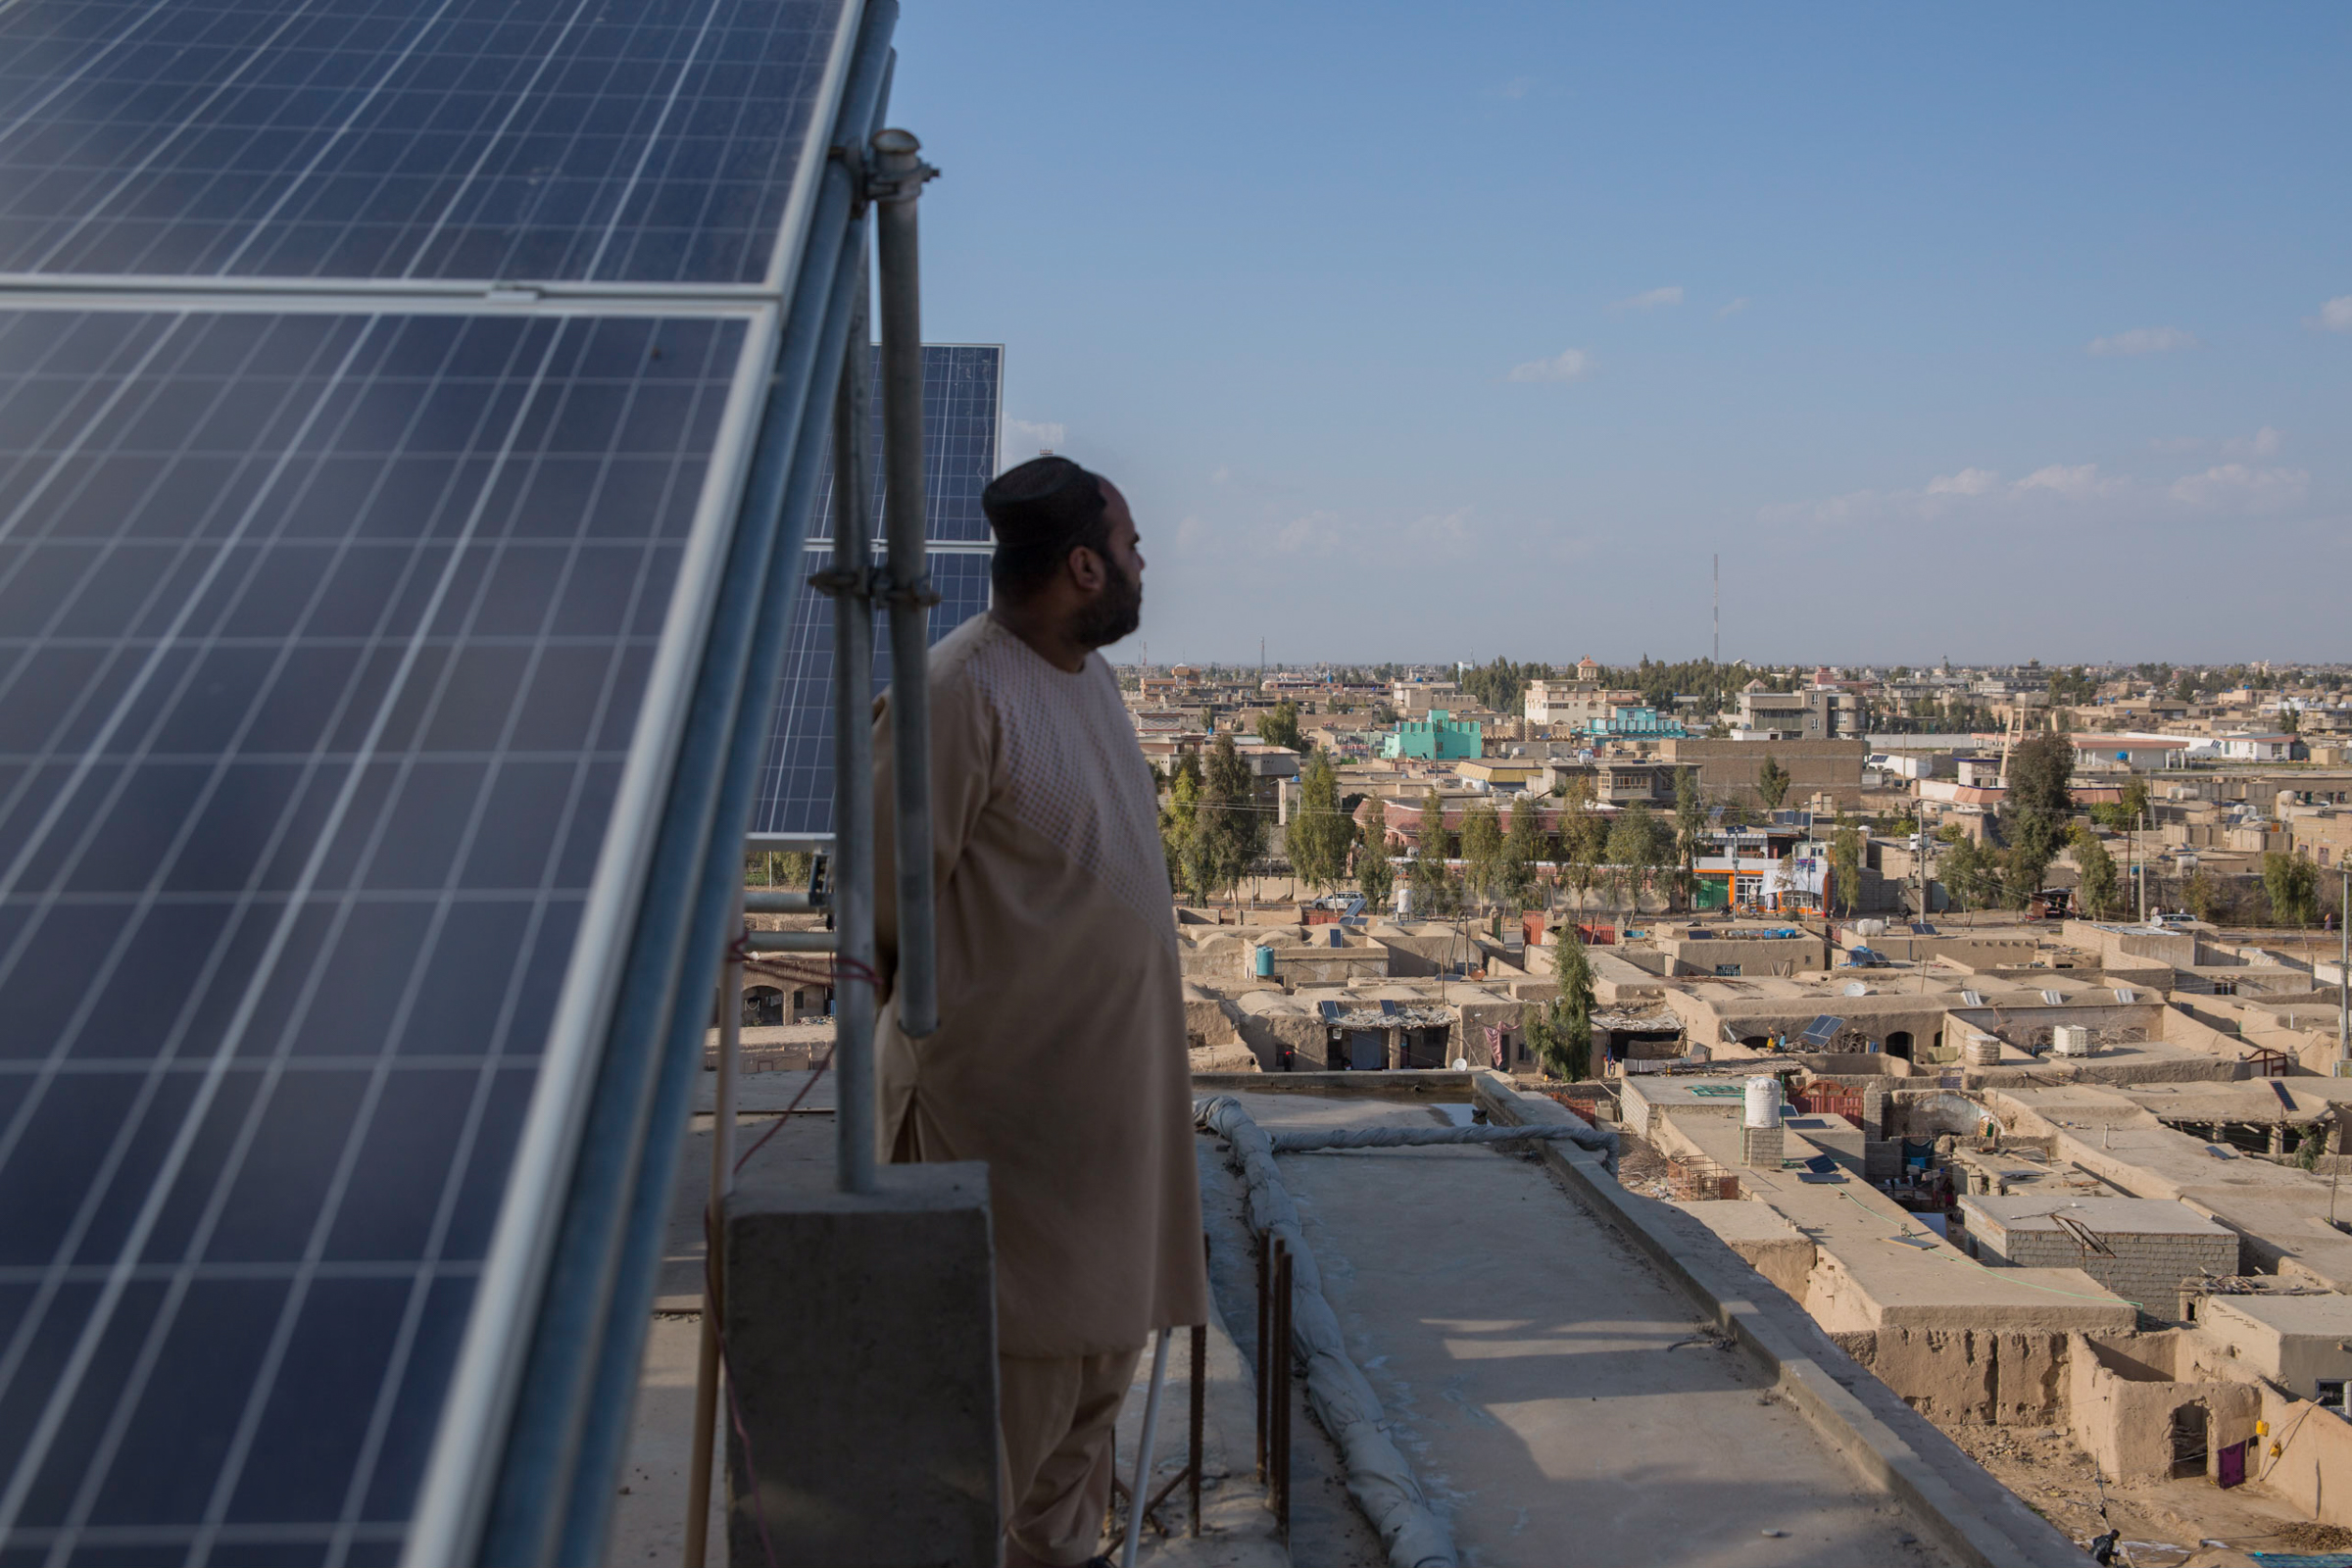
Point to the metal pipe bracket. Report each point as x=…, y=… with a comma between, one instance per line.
x=915, y=592
x=902, y=182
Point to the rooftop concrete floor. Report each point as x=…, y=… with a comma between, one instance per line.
x=1559, y=1398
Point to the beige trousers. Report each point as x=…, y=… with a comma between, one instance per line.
x=1056, y=1416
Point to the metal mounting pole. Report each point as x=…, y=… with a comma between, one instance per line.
x=852, y=894
x=714, y=1229
x=2343, y=971
x=896, y=179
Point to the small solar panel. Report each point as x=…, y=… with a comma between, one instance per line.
x=2054, y=998
x=962, y=399
x=1972, y=999
x=323, y=640
x=392, y=139
x=2126, y=993
x=796, y=786
x=1821, y=1031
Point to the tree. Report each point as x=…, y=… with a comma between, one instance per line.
x=1772, y=783
x=1233, y=829
x=1845, y=862
x=1580, y=837
x=2100, y=891
x=2294, y=884
x=1433, y=885
x=2039, y=810
x=1521, y=847
x=1560, y=1031
x=2125, y=815
x=1318, y=836
x=1689, y=830
x=1279, y=726
x=1482, y=850
x=1374, y=874
x=2203, y=894
x=1637, y=845
x=1181, y=837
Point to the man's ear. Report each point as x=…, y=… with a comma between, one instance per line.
x=1086, y=568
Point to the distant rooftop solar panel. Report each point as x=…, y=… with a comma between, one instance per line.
x=2054, y=998
x=1821, y=1031
x=1972, y=999
x=392, y=139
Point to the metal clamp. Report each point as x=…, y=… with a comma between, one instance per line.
x=916, y=592
x=844, y=582
x=902, y=182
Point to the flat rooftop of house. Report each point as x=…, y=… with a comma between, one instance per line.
x=1552, y=1384
x=2317, y=1315
x=2121, y=1217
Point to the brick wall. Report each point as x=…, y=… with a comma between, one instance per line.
x=2144, y=1268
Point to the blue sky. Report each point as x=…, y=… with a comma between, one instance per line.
x=1448, y=331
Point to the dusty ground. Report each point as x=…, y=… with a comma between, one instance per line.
x=2165, y=1524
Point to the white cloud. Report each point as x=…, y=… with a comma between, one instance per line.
x=1967, y=483
x=1735, y=308
x=1025, y=438
x=2234, y=482
x=2262, y=443
x=2175, y=443
x=1220, y=475
x=1316, y=533
x=2335, y=317
x=1650, y=298
x=2142, y=340
x=1454, y=525
x=1569, y=365
x=1191, y=534
x=1516, y=87
x=2081, y=479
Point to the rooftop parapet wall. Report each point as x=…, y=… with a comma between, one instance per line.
x=2119, y=1406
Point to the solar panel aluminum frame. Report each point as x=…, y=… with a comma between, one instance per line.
x=531, y=1432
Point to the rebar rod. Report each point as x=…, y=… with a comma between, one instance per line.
x=854, y=1001
x=722, y=1181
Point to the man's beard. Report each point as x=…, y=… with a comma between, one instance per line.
x=1114, y=613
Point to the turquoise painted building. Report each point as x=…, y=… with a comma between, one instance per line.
x=1435, y=739
x=1634, y=723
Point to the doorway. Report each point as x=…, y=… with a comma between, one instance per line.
x=1898, y=1043
x=2188, y=1440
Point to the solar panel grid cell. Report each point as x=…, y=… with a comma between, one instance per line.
x=322, y=642
x=560, y=139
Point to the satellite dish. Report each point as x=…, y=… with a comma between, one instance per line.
x=1461, y=1064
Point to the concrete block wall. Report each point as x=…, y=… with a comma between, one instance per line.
x=2144, y=1268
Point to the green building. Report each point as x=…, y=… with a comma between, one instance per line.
x=1435, y=739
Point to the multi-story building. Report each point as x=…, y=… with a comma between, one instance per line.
x=1816, y=713
x=1573, y=702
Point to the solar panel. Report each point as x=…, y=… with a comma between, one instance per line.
x=962, y=386
x=398, y=140
x=796, y=788
x=1821, y=1031
x=323, y=642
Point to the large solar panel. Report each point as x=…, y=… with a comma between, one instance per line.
x=963, y=386
x=357, y=625
x=545, y=141
x=323, y=641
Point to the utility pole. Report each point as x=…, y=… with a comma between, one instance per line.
x=2140, y=868
x=1718, y=654
x=2343, y=976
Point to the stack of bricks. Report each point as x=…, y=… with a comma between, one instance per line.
x=2140, y=1249
x=1760, y=1148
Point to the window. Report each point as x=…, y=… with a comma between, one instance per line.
x=2331, y=1394
x=1727, y=969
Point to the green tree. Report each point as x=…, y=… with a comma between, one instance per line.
x=1772, y=783
x=2101, y=890
x=1232, y=827
x=1637, y=845
x=1374, y=873
x=2203, y=893
x=1318, y=836
x=2037, y=811
x=1560, y=1031
x=1521, y=847
x=2125, y=815
x=1690, y=831
x=776, y=868
x=1279, y=726
x=1181, y=837
x=1482, y=851
x=2294, y=884
x=1845, y=864
x=1433, y=883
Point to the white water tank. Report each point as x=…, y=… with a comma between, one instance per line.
x=1763, y=1102
x=1870, y=928
x=2070, y=1040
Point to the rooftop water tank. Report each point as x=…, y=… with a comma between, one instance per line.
x=1763, y=1102
x=2070, y=1040
x=1265, y=963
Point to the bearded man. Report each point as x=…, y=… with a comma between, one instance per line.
x=1059, y=1058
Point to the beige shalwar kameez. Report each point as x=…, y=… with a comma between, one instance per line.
x=1059, y=1058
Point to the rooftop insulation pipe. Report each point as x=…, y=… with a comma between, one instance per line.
x=1379, y=1478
